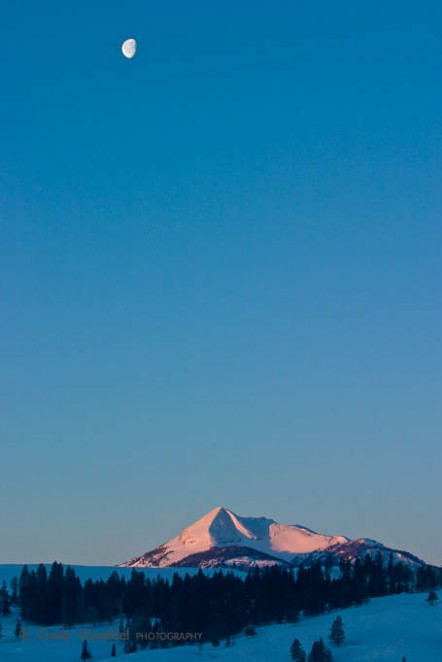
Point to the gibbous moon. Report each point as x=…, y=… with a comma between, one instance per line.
x=129, y=48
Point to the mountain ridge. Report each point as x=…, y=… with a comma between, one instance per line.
x=222, y=538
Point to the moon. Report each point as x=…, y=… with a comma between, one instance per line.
x=129, y=48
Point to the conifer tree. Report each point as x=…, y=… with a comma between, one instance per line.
x=14, y=589
x=114, y=651
x=337, y=634
x=432, y=598
x=85, y=652
x=5, y=600
x=297, y=652
x=320, y=653
x=18, y=629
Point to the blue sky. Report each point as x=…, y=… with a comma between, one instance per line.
x=220, y=271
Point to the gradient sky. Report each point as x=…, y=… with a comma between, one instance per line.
x=221, y=271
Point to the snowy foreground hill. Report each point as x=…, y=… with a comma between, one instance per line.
x=222, y=538
x=384, y=630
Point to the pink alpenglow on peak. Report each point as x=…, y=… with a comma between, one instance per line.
x=223, y=539
x=221, y=529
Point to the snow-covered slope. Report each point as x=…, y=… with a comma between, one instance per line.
x=384, y=630
x=221, y=537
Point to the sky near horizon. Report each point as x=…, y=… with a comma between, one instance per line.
x=220, y=272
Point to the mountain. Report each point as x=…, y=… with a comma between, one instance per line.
x=222, y=538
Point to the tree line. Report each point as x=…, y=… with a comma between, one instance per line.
x=220, y=605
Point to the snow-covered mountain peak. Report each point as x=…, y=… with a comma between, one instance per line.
x=221, y=529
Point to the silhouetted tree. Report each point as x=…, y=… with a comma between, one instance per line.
x=14, y=589
x=85, y=652
x=432, y=598
x=5, y=600
x=426, y=578
x=18, y=629
x=337, y=634
x=297, y=652
x=320, y=653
